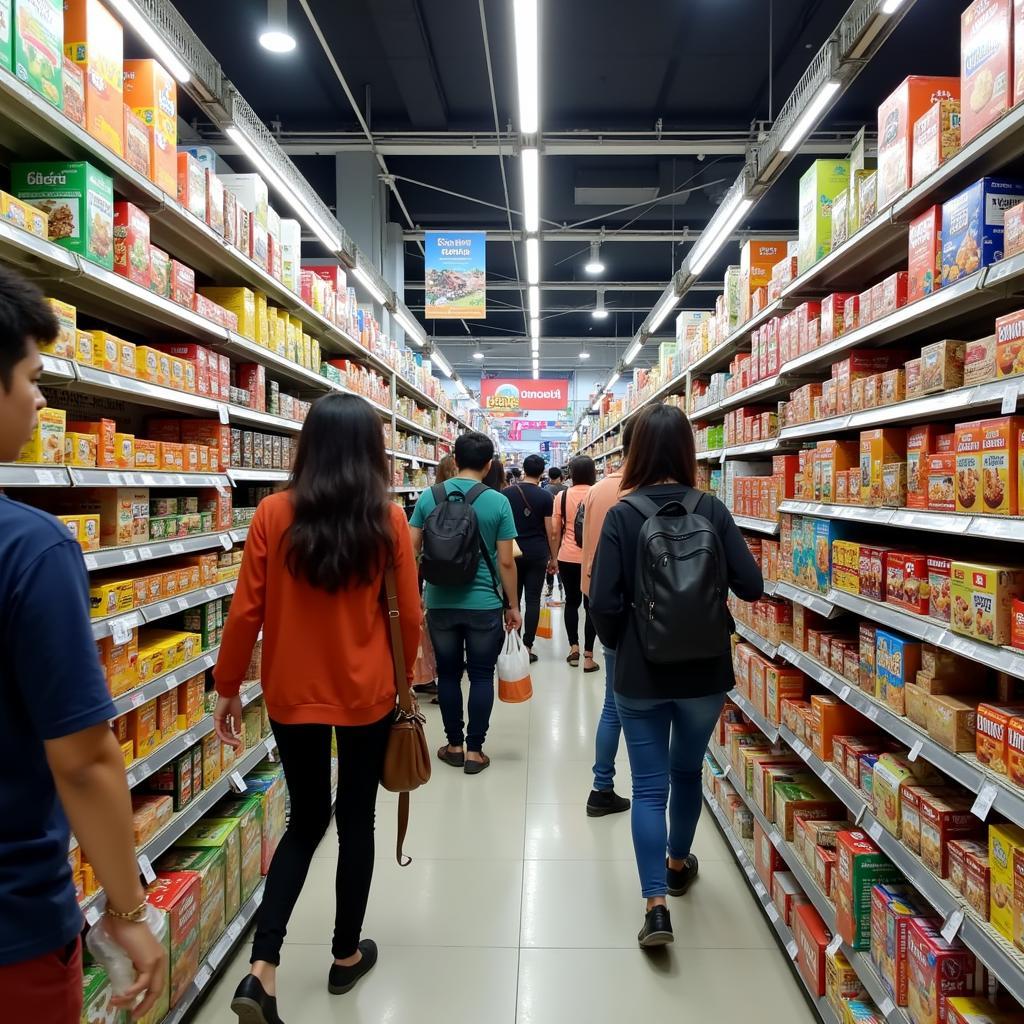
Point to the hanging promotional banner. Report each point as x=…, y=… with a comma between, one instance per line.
x=517, y=428
x=500, y=396
x=456, y=275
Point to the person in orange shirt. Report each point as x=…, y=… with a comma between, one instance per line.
x=312, y=578
x=601, y=497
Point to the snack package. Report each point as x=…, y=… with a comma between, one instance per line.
x=986, y=67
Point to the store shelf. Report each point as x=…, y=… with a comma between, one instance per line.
x=120, y=478
x=771, y=731
x=160, y=610
x=241, y=476
x=33, y=476
x=407, y=387
x=713, y=455
x=114, y=558
x=263, y=420
x=815, y=602
x=407, y=424
x=55, y=369
x=768, y=649
x=771, y=445
x=769, y=526
x=250, y=352
x=168, y=681
x=412, y=458
x=91, y=381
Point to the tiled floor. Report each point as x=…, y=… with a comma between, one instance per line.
x=518, y=909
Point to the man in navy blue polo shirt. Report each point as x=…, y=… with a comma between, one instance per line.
x=59, y=760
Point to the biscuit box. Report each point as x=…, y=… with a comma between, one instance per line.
x=819, y=185
x=924, y=252
x=859, y=867
x=944, y=818
x=893, y=773
x=897, y=661
x=1018, y=898
x=972, y=226
x=1015, y=750
x=809, y=797
x=210, y=866
x=937, y=969
x=1004, y=841
x=220, y=834
x=936, y=138
x=987, y=465
x=178, y=893
x=986, y=65
x=812, y=938
x=906, y=581
x=991, y=736
x=892, y=907
x=96, y=995
x=982, y=600
x=941, y=476
x=94, y=40
x=846, y=566
x=842, y=984
x=977, y=880
x=877, y=448
x=951, y=721
x=248, y=811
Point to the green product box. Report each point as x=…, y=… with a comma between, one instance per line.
x=251, y=719
x=203, y=620
x=820, y=184
x=211, y=866
x=222, y=834
x=96, y=996
x=38, y=47
x=810, y=798
x=197, y=769
x=248, y=812
x=268, y=780
x=7, y=34
x=78, y=199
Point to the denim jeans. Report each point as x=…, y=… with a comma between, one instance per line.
x=470, y=640
x=606, y=742
x=665, y=739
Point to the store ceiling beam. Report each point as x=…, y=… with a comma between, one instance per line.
x=575, y=286
x=583, y=236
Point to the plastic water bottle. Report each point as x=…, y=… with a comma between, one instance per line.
x=112, y=957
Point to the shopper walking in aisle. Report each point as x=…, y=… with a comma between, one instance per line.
x=569, y=518
x=313, y=576
x=466, y=619
x=668, y=703
x=532, y=509
x=555, y=483
x=495, y=477
x=445, y=469
x=59, y=760
x=602, y=496
x=554, y=487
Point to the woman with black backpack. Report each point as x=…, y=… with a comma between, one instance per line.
x=667, y=557
x=568, y=522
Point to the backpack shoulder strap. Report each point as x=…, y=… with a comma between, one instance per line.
x=641, y=503
x=440, y=493
x=474, y=492
x=565, y=503
x=692, y=500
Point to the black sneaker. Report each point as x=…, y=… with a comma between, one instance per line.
x=680, y=881
x=343, y=979
x=657, y=929
x=252, y=1005
x=533, y=658
x=606, y=801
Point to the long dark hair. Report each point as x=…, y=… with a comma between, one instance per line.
x=582, y=470
x=661, y=449
x=341, y=535
x=495, y=478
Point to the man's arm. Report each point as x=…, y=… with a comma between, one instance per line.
x=417, y=540
x=553, y=538
x=507, y=571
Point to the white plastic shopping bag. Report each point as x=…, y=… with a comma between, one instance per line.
x=514, y=685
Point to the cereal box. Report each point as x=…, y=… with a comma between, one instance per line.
x=992, y=726
x=131, y=243
x=46, y=446
x=942, y=366
x=152, y=94
x=1013, y=225
x=210, y=866
x=950, y=721
x=892, y=907
x=924, y=266
x=812, y=938
x=248, y=811
x=179, y=894
x=220, y=834
x=1004, y=842
x=977, y=878
x=941, y=475
x=972, y=226
x=74, y=93
x=980, y=360
x=878, y=447
x=819, y=185
x=859, y=867
x=937, y=969
x=986, y=68
x=1010, y=344
x=906, y=581
x=936, y=138
x=94, y=40
x=982, y=596
x=986, y=466
x=945, y=817
x=39, y=47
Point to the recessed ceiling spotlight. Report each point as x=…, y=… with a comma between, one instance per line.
x=599, y=312
x=584, y=354
x=275, y=37
x=594, y=264
x=478, y=354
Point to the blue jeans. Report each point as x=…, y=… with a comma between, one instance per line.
x=606, y=742
x=470, y=640
x=665, y=738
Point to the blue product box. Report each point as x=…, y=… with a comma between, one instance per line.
x=897, y=661
x=972, y=226
x=823, y=532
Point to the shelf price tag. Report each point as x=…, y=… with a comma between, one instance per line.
x=773, y=914
x=121, y=629
x=46, y=477
x=222, y=414
x=90, y=562
x=985, y=799
x=792, y=949
x=145, y=554
x=952, y=925
x=238, y=783
x=875, y=831
x=915, y=750
x=212, y=594
x=146, y=869
x=826, y=776
x=844, y=693
x=886, y=1007
x=833, y=946
x=225, y=541
x=1010, y=399
x=872, y=713
x=203, y=976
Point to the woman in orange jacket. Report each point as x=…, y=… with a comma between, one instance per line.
x=312, y=579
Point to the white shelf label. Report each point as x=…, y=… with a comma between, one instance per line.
x=121, y=629
x=238, y=783
x=45, y=477
x=844, y=693
x=225, y=541
x=177, y=548
x=728, y=770
x=872, y=713
x=886, y=1007
x=773, y=914
x=172, y=681
x=137, y=699
x=90, y=562
x=203, y=976
x=1009, y=406
x=92, y=915
x=952, y=925
x=985, y=799
x=212, y=594
x=875, y=831
x=915, y=750
x=164, y=608
x=234, y=929
x=222, y=414
x=826, y=776
x=145, y=554
x=219, y=951
x=146, y=869
x=792, y=949
x=760, y=890
x=833, y=946
x=271, y=745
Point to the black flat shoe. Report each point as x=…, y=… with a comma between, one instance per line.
x=343, y=979
x=605, y=801
x=252, y=1005
x=455, y=760
x=657, y=929
x=680, y=881
x=476, y=767
x=533, y=658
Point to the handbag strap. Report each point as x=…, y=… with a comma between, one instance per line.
x=397, y=647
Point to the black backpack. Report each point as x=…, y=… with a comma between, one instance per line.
x=452, y=544
x=577, y=522
x=681, y=582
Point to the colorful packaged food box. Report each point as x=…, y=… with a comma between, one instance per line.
x=993, y=721
x=976, y=1010
x=980, y=360
x=94, y=40
x=987, y=465
x=981, y=596
x=159, y=272
x=942, y=366
x=79, y=202
x=924, y=244
x=986, y=65
x=893, y=773
x=248, y=811
x=937, y=969
x=96, y=998
x=74, y=92
x=38, y=54
x=46, y=446
x=892, y=908
x=210, y=866
x=151, y=92
x=877, y=448
x=131, y=243
x=1005, y=844
x=906, y=581
x=1010, y=344
x=819, y=185
x=136, y=142
x=945, y=817
x=950, y=721
x=936, y=138
x=178, y=893
x=859, y=867
x=972, y=226
x=812, y=938
x=220, y=834
x=842, y=983
x=191, y=185
x=941, y=476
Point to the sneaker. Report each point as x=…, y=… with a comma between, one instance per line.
x=680, y=881
x=343, y=979
x=657, y=929
x=606, y=801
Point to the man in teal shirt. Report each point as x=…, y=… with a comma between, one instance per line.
x=467, y=626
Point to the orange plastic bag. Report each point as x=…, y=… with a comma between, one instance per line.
x=425, y=669
x=544, y=629
x=514, y=684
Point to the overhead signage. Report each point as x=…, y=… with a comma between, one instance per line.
x=501, y=396
x=516, y=428
x=456, y=275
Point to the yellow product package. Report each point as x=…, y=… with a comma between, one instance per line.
x=46, y=446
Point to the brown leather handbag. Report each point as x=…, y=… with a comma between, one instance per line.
x=407, y=762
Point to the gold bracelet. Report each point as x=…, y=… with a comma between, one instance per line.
x=134, y=916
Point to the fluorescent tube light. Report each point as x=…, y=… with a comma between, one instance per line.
x=441, y=363
x=534, y=293
x=594, y=264
x=891, y=6
x=717, y=239
x=531, y=189
x=528, y=65
x=478, y=354
x=462, y=389
x=632, y=352
x=662, y=310
x=535, y=347
x=149, y=35
x=535, y=328
x=612, y=381
x=310, y=219
x=810, y=116
x=369, y=283
x=413, y=331
x=536, y=374
x=596, y=407
x=536, y=362
x=533, y=261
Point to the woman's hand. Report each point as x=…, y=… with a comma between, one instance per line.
x=150, y=960
x=227, y=719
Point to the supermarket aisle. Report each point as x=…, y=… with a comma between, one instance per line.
x=518, y=908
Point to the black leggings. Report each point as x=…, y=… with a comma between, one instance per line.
x=530, y=578
x=572, y=578
x=306, y=757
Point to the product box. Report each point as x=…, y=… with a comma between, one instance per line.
x=46, y=446
x=136, y=141
x=942, y=366
x=877, y=448
x=987, y=465
x=191, y=185
x=982, y=596
x=131, y=243
x=1009, y=339
x=810, y=797
x=210, y=866
x=219, y=834
x=945, y=817
x=248, y=812
x=819, y=185
x=94, y=40
x=152, y=93
x=178, y=893
x=859, y=867
x=38, y=53
x=992, y=734
x=937, y=969
x=892, y=908
x=924, y=256
x=972, y=226
x=976, y=1010
x=986, y=64
x=1013, y=228
x=1004, y=842
x=980, y=361
x=896, y=118
x=936, y=138
x=842, y=984
x=812, y=939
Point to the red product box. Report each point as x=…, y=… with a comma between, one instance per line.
x=812, y=938
x=183, y=284
x=197, y=355
x=253, y=378
x=889, y=295
x=986, y=65
x=177, y=893
x=224, y=367
x=215, y=202
x=852, y=313
x=212, y=433
x=906, y=581
x=833, y=323
x=936, y=970
x=1017, y=623
x=924, y=254
x=767, y=859
x=131, y=243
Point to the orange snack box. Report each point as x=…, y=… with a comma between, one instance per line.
x=991, y=746
x=878, y=447
x=986, y=68
x=152, y=94
x=1015, y=750
x=1010, y=344
x=987, y=465
x=832, y=717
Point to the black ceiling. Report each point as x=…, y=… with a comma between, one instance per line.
x=692, y=65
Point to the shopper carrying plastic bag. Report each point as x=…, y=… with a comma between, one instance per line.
x=514, y=684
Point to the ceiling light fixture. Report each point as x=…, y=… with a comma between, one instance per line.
x=535, y=328
x=311, y=220
x=716, y=234
x=536, y=374
x=531, y=189
x=584, y=354
x=535, y=347
x=478, y=354
x=612, y=381
x=413, y=331
x=594, y=264
x=891, y=6
x=528, y=64
x=152, y=39
x=275, y=37
x=632, y=352
x=599, y=312
x=368, y=283
x=663, y=309
x=533, y=261
x=810, y=116
x=534, y=293
x=536, y=363
x=441, y=363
